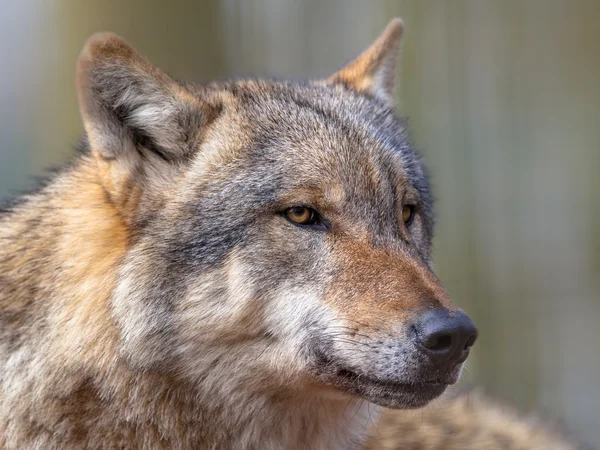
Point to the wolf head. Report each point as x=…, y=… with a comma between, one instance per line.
x=279, y=232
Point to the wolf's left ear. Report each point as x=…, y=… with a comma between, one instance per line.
x=374, y=71
x=130, y=107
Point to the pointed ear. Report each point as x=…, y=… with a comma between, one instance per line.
x=129, y=105
x=374, y=71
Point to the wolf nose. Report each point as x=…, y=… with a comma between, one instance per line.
x=445, y=337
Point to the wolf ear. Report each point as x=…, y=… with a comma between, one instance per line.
x=374, y=71
x=127, y=104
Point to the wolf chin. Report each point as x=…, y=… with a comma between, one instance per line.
x=225, y=266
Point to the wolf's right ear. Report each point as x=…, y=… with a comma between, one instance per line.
x=374, y=71
x=128, y=105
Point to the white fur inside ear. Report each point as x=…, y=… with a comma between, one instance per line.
x=151, y=115
x=380, y=83
x=146, y=107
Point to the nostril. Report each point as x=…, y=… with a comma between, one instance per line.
x=438, y=342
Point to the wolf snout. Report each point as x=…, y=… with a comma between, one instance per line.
x=445, y=337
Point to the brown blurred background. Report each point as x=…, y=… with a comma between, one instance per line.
x=504, y=101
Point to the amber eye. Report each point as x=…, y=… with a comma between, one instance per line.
x=408, y=214
x=301, y=215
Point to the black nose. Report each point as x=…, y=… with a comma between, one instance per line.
x=445, y=336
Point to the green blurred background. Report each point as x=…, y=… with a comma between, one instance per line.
x=504, y=102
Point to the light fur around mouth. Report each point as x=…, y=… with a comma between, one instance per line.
x=395, y=393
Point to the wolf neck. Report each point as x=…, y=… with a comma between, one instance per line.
x=291, y=423
x=310, y=424
x=186, y=418
x=56, y=322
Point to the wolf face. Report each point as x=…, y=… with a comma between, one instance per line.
x=279, y=233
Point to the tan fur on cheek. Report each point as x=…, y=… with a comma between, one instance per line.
x=95, y=241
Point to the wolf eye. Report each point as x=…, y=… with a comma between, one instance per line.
x=301, y=215
x=408, y=214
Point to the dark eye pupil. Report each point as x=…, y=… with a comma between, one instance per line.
x=408, y=213
x=299, y=211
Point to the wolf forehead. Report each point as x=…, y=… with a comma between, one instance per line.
x=310, y=134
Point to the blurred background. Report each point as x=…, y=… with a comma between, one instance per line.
x=504, y=104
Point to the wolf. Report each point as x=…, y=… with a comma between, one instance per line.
x=234, y=265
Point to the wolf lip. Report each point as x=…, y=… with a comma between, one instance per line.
x=399, y=394
x=352, y=376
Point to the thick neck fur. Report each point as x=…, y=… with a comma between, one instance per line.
x=63, y=381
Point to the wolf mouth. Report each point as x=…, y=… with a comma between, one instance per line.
x=396, y=394
x=391, y=394
x=353, y=376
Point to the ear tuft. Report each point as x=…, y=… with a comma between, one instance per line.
x=105, y=45
x=374, y=71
